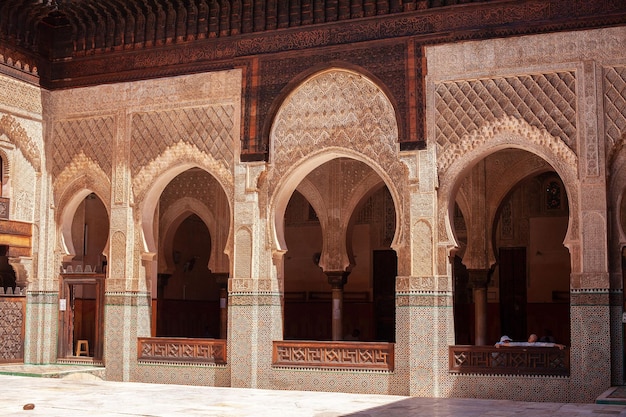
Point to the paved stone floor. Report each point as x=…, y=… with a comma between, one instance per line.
x=86, y=395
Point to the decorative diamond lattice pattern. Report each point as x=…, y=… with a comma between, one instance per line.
x=208, y=128
x=545, y=101
x=615, y=103
x=92, y=136
x=11, y=323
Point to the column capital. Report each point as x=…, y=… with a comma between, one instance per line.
x=479, y=278
x=337, y=279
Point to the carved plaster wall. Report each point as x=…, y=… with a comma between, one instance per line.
x=133, y=138
x=335, y=113
x=560, y=97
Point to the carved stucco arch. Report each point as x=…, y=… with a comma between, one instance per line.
x=300, y=169
x=334, y=113
x=509, y=132
x=362, y=190
x=6, y=165
x=526, y=165
x=17, y=135
x=79, y=179
x=172, y=219
x=150, y=182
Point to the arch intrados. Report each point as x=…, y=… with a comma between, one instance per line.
x=66, y=219
x=300, y=169
x=370, y=188
x=175, y=216
x=462, y=167
x=152, y=196
x=313, y=197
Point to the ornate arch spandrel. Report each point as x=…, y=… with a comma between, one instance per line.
x=342, y=109
x=179, y=158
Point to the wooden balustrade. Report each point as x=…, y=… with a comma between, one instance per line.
x=509, y=360
x=343, y=355
x=166, y=349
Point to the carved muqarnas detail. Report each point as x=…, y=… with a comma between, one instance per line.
x=501, y=130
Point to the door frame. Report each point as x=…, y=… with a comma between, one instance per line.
x=66, y=342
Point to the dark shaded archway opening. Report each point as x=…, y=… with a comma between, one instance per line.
x=189, y=297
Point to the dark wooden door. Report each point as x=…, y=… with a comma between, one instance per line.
x=513, y=292
x=385, y=270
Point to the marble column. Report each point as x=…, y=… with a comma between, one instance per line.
x=337, y=279
x=478, y=280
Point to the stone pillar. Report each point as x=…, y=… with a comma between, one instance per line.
x=478, y=280
x=337, y=279
x=130, y=269
x=590, y=317
x=254, y=295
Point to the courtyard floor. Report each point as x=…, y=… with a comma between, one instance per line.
x=86, y=395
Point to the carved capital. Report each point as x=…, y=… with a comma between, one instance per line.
x=337, y=279
x=479, y=278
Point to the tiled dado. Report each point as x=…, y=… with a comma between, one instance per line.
x=593, y=297
x=40, y=345
x=425, y=300
x=254, y=299
x=419, y=284
x=139, y=299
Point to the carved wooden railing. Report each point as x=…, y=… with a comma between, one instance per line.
x=162, y=349
x=509, y=360
x=343, y=355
